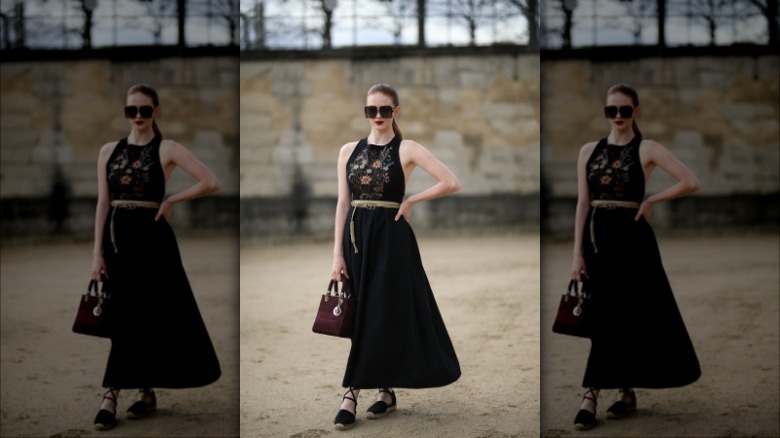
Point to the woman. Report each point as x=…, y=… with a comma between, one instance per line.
x=399, y=337
x=638, y=336
x=158, y=337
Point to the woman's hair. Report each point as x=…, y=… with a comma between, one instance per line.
x=629, y=91
x=151, y=93
x=390, y=92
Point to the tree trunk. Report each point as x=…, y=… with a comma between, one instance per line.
x=181, y=17
x=421, y=23
x=326, y=39
x=532, y=17
x=772, y=23
x=661, y=7
x=567, y=28
x=86, y=31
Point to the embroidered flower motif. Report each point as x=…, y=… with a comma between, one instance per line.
x=608, y=172
x=130, y=172
x=369, y=172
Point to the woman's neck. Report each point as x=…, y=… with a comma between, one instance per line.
x=621, y=137
x=381, y=137
x=140, y=137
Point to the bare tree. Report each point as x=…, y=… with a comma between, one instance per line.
x=398, y=9
x=567, y=6
x=327, y=8
x=530, y=10
x=470, y=12
x=769, y=10
x=87, y=6
x=157, y=10
x=226, y=11
x=712, y=14
x=181, y=18
x=638, y=10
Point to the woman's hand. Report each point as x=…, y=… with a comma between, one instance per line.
x=405, y=210
x=99, y=268
x=644, y=210
x=578, y=268
x=164, y=210
x=339, y=268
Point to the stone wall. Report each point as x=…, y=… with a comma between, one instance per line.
x=476, y=111
x=717, y=110
x=57, y=113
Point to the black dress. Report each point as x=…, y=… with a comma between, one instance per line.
x=639, y=338
x=158, y=337
x=399, y=338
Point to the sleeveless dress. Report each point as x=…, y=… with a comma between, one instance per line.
x=638, y=335
x=158, y=337
x=399, y=338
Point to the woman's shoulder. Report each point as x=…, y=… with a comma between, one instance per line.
x=167, y=143
x=108, y=148
x=588, y=147
x=347, y=148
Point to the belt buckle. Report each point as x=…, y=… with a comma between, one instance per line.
x=610, y=206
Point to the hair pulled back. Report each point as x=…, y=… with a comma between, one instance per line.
x=629, y=91
x=150, y=92
x=390, y=92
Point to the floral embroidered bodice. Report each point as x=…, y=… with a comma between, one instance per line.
x=615, y=172
x=374, y=172
x=135, y=173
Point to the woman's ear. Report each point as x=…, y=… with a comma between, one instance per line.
x=397, y=111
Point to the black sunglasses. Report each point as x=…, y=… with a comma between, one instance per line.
x=626, y=111
x=146, y=111
x=385, y=111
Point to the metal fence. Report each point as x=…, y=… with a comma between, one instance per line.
x=626, y=22
x=77, y=24
x=314, y=24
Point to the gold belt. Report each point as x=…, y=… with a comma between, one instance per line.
x=369, y=204
x=130, y=205
x=609, y=205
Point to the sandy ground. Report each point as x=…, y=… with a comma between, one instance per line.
x=487, y=289
x=727, y=291
x=51, y=377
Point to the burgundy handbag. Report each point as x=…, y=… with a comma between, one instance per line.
x=572, y=312
x=336, y=315
x=92, y=316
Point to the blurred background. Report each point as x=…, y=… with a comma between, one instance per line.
x=66, y=66
x=707, y=77
x=467, y=73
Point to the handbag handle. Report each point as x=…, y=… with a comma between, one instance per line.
x=573, y=284
x=92, y=289
x=346, y=292
x=345, y=289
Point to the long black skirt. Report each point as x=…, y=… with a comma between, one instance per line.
x=158, y=336
x=399, y=339
x=639, y=338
